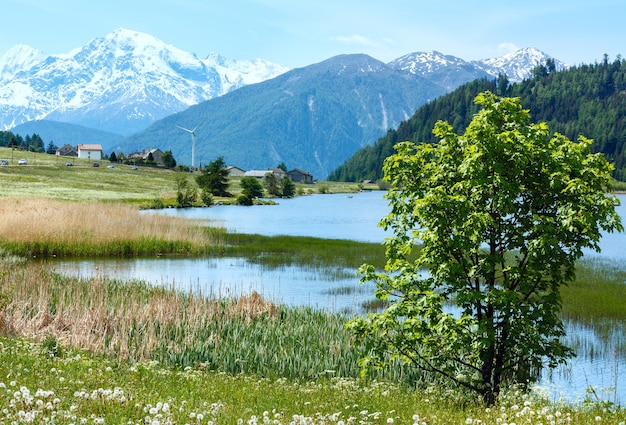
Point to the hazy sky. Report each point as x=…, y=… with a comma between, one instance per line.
x=297, y=33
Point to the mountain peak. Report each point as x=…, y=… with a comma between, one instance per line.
x=518, y=65
x=120, y=83
x=425, y=62
x=17, y=58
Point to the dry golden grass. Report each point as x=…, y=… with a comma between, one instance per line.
x=40, y=219
x=102, y=316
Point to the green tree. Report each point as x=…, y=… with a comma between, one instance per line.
x=113, y=157
x=52, y=148
x=14, y=141
x=34, y=143
x=206, y=197
x=251, y=187
x=186, y=194
x=502, y=213
x=270, y=182
x=214, y=177
x=168, y=159
x=288, y=188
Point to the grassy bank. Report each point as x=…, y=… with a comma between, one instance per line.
x=39, y=384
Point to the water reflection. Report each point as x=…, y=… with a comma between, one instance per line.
x=331, y=289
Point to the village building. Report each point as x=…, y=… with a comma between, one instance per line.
x=89, y=151
x=259, y=174
x=66, y=150
x=299, y=176
x=234, y=171
x=144, y=155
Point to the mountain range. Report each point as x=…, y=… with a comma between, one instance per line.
x=120, y=83
x=257, y=113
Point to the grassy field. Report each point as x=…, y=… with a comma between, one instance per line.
x=47, y=176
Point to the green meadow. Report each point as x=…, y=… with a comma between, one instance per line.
x=95, y=351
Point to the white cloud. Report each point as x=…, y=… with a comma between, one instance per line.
x=356, y=40
x=507, y=47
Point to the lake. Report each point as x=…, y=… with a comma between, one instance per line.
x=338, y=216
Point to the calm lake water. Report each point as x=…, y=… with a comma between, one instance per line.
x=353, y=217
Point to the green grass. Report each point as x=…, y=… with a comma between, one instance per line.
x=66, y=386
x=619, y=186
x=47, y=176
x=306, y=251
x=597, y=293
x=143, y=247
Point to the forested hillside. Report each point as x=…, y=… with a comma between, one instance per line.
x=588, y=100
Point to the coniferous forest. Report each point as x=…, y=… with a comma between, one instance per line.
x=588, y=100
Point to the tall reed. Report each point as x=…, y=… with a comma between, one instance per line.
x=43, y=227
x=138, y=322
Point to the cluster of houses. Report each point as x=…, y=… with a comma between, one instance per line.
x=94, y=152
x=296, y=175
x=86, y=150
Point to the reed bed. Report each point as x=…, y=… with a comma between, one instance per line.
x=598, y=293
x=136, y=322
x=44, y=227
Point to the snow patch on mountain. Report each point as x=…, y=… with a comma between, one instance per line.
x=120, y=83
x=451, y=70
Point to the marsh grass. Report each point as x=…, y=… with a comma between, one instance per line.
x=597, y=293
x=134, y=321
x=43, y=227
x=277, y=251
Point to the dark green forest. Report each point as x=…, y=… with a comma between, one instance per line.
x=29, y=143
x=588, y=100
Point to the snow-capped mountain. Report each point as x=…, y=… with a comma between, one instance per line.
x=127, y=80
x=445, y=70
x=518, y=65
x=120, y=83
x=450, y=71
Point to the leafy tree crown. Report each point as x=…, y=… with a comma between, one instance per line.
x=501, y=214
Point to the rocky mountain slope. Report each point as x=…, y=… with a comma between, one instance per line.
x=311, y=118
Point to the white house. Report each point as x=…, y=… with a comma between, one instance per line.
x=90, y=151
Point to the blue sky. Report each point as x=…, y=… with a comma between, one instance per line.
x=297, y=33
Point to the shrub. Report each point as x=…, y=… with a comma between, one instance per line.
x=243, y=200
